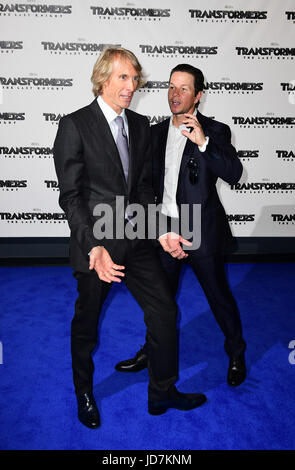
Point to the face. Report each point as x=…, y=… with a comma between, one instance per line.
x=181, y=93
x=118, y=91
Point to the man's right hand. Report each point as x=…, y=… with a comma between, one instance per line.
x=107, y=270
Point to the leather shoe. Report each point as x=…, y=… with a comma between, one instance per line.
x=177, y=400
x=137, y=363
x=236, y=371
x=87, y=411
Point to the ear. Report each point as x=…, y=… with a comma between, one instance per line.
x=198, y=97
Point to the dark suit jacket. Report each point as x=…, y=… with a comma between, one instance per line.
x=218, y=161
x=89, y=172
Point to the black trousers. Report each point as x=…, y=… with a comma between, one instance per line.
x=210, y=272
x=145, y=278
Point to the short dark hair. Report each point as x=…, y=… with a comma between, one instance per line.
x=196, y=73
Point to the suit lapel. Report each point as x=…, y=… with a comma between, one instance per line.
x=161, y=144
x=104, y=137
x=132, y=147
x=190, y=150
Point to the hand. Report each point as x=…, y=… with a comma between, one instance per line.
x=196, y=135
x=103, y=264
x=171, y=244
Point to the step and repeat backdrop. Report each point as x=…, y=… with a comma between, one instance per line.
x=245, y=49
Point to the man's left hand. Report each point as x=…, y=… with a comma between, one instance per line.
x=197, y=135
x=171, y=244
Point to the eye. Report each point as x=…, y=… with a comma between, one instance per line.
x=123, y=76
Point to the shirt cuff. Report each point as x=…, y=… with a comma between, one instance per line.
x=163, y=234
x=203, y=148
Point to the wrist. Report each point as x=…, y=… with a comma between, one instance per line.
x=202, y=147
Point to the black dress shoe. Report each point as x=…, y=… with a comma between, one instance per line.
x=236, y=371
x=177, y=400
x=87, y=411
x=137, y=363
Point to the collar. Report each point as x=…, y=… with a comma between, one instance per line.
x=182, y=126
x=109, y=113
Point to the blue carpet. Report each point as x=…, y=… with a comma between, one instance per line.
x=37, y=401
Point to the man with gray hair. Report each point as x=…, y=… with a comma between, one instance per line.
x=100, y=152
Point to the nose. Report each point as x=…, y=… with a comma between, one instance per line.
x=131, y=85
x=175, y=92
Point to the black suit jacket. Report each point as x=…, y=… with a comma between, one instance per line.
x=89, y=172
x=218, y=161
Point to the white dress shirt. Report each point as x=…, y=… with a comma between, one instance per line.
x=174, y=150
x=111, y=115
